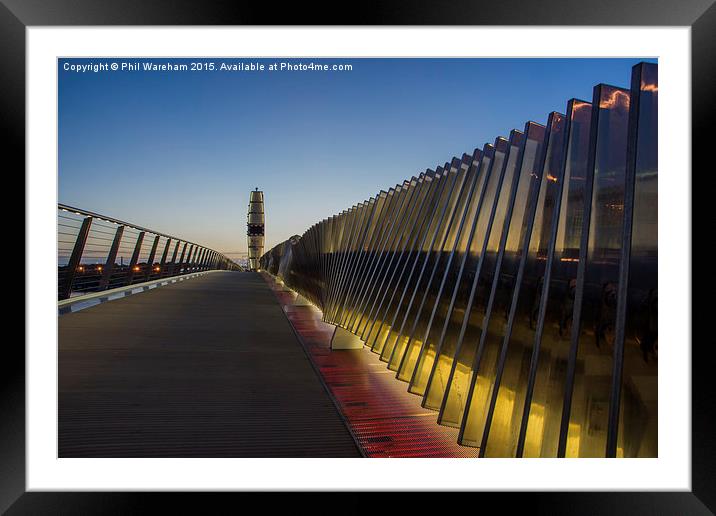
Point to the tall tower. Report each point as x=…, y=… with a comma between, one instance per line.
x=255, y=228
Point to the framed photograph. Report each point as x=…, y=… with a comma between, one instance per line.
x=416, y=251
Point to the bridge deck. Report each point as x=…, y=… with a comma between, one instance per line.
x=209, y=367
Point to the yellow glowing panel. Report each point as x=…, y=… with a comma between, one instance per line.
x=397, y=353
x=457, y=396
x=503, y=408
x=410, y=359
x=573, y=438
x=421, y=376
x=535, y=431
x=476, y=415
x=380, y=341
x=373, y=331
x=442, y=372
x=501, y=442
x=439, y=382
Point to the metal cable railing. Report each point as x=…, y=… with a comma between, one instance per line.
x=96, y=252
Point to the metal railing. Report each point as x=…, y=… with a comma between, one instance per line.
x=96, y=252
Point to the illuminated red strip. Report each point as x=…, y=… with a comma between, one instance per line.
x=386, y=419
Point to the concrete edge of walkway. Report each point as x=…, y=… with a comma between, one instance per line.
x=77, y=303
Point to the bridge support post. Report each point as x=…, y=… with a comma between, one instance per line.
x=150, y=261
x=204, y=259
x=184, y=265
x=163, y=261
x=343, y=339
x=191, y=259
x=75, y=257
x=197, y=259
x=111, y=259
x=177, y=266
x=135, y=258
x=168, y=269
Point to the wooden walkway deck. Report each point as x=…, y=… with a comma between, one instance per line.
x=209, y=367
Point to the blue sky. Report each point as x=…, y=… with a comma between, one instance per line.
x=178, y=152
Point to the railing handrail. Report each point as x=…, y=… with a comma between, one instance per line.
x=87, y=213
x=199, y=257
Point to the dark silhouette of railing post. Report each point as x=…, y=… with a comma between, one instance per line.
x=111, y=259
x=164, y=258
x=150, y=260
x=192, y=259
x=177, y=266
x=185, y=267
x=210, y=260
x=197, y=258
x=206, y=260
x=200, y=261
x=173, y=265
x=169, y=268
x=135, y=258
x=75, y=257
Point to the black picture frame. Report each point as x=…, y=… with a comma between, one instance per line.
x=700, y=15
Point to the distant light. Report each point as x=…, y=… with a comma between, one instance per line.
x=80, y=268
x=99, y=267
x=135, y=268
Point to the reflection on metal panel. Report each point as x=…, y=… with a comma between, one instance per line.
x=513, y=289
